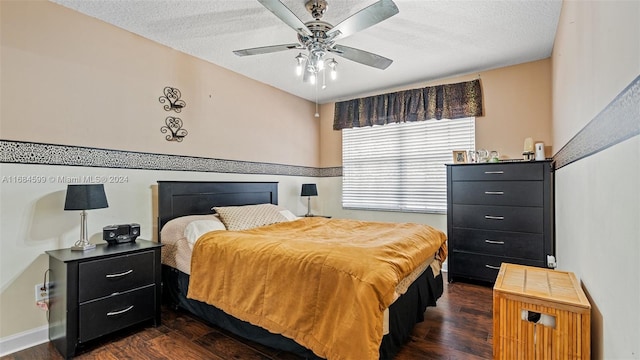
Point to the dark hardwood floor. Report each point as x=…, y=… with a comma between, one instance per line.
x=459, y=327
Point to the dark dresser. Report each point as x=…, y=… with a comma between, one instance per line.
x=99, y=291
x=498, y=212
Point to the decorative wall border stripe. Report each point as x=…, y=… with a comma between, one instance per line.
x=21, y=152
x=330, y=171
x=619, y=121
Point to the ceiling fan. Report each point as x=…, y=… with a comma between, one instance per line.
x=319, y=37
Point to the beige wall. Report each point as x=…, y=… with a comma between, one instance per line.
x=517, y=102
x=597, y=55
x=517, y=105
x=79, y=81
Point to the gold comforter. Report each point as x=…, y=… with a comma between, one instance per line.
x=324, y=283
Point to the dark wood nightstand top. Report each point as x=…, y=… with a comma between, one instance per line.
x=102, y=250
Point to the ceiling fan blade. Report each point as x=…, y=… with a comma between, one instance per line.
x=361, y=56
x=266, y=49
x=288, y=17
x=364, y=18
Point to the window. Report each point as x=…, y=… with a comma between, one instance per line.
x=400, y=167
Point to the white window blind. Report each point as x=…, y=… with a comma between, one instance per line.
x=400, y=167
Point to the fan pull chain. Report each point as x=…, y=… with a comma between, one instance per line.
x=317, y=114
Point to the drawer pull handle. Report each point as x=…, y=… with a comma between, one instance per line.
x=494, y=192
x=120, y=274
x=494, y=242
x=494, y=172
x=492, y=267
x=490, y=217
x=114, y=313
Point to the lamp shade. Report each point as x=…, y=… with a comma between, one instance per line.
x=85, y=197
x=309, y=190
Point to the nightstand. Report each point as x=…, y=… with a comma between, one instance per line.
x=100, y=291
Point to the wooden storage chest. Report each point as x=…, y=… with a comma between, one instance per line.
x=539, y=314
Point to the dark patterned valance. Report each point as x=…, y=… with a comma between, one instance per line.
x=451, y=101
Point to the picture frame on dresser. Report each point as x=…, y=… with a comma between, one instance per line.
x=459, y=156
x=498, y=213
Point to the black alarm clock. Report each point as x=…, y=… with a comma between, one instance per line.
x=120, y=234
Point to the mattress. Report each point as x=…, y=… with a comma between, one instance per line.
x=179, y=239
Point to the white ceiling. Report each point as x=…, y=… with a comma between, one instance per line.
x=427, y=40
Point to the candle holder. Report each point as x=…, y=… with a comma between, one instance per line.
x=173, y=126
x=172, y=98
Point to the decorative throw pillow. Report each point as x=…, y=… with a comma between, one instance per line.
x=249, y=216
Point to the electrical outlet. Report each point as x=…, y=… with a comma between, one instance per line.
x=42, y=292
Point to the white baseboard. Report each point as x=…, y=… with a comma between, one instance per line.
x=24, y=340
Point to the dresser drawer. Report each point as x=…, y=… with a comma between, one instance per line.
x=483, y=267
x=499, y=243
x=498, y=172
x=100, y=317
x=502, y=218
x=116, y=274
x=513, y=193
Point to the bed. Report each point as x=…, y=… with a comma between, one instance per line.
x=184, y=206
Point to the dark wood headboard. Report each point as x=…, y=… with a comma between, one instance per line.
x=181, y=198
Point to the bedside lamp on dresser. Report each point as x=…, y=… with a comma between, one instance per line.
x=309, y=190
x=85, y=197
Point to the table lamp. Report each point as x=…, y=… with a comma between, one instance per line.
x=85, y=197
x=309, y=190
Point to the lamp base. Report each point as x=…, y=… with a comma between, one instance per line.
x=83, y=246
x=308, y=214
x=83, y=243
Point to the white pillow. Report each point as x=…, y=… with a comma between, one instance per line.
x=173, y=230
x=197, y=228
x=289, y=215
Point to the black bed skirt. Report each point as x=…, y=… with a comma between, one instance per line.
x=404, y=313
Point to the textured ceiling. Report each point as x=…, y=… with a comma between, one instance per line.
x=427, y=40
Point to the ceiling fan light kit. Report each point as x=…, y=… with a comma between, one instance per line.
x=319, y=38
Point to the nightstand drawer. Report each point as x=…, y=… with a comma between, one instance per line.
x=502, y=218
x=115, y=312
x=499, y=172
x=499, y=243
x=116, y=274
x=510, y=193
